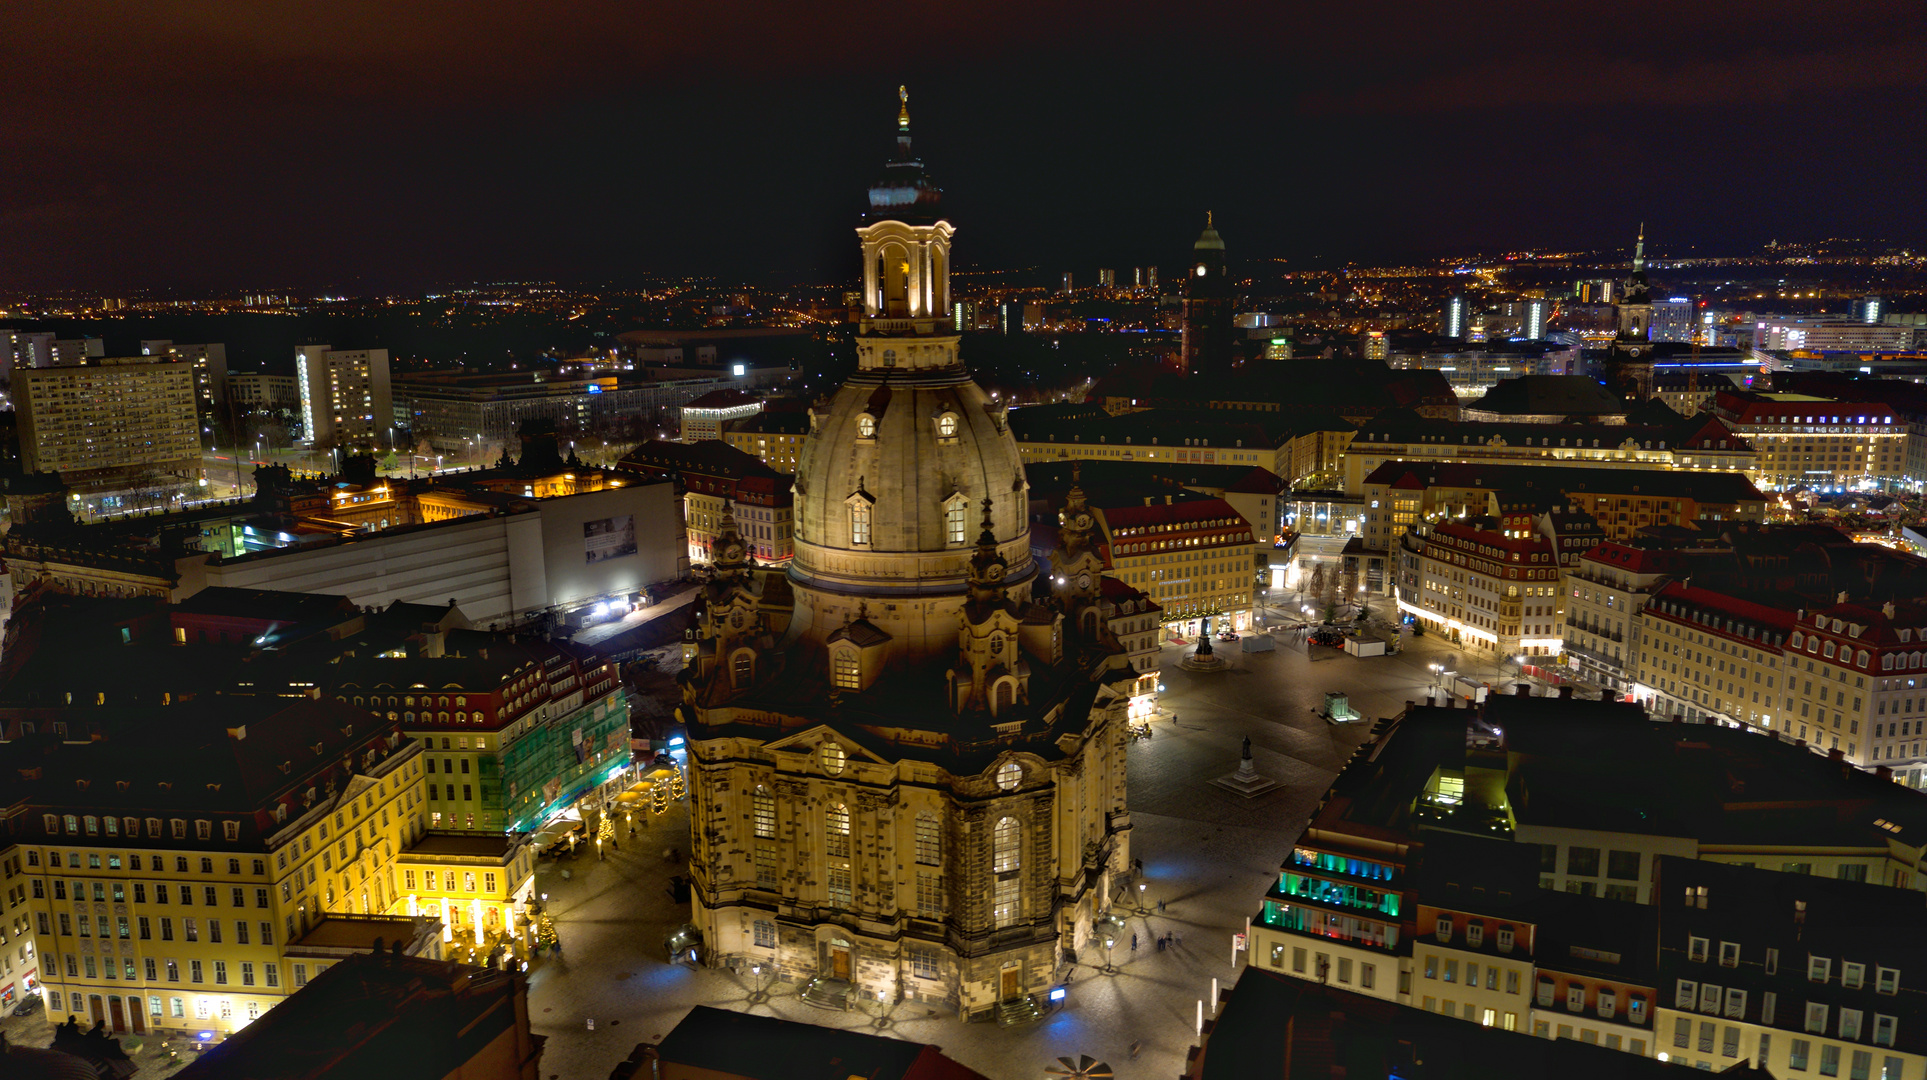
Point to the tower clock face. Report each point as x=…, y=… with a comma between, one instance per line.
x=1083, y=581
x=994, y=573
x=1081, y=521
x=1200, y=270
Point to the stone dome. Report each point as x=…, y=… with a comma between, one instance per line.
x=910, y=456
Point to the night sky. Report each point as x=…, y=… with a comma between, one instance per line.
x=359, y=147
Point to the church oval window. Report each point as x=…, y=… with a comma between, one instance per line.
x=1009, y=775
x=947, y=425
x=866, y=427
x=834, y=758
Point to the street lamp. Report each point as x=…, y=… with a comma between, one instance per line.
x=1141, y=909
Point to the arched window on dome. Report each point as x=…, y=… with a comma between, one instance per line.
x=947, y=426
x=845, y=671
x=860, y=522
x=866, y=426
x=956, y=519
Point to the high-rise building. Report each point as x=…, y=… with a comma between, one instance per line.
x=1106, y=278
x=1375, y=345
x=907, y=764
x=1209, y=298
x=1869, y=309
x=110, y=421
x=1150, y=277
x=1457, y=321
x=1067, y=286
x=1673, y=319
x=1137, y=277
x=210, y=368
x=345, y=400
x=1537, y=308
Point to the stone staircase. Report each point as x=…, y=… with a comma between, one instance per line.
x=826, y=993
x=1018, y=1010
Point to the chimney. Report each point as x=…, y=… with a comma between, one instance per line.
x=1836, y=754
x=238, y=732
x=1883, y=772
x=1887, y=609
x=1841, y=597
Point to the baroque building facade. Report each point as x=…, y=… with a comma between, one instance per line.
x=907, y=747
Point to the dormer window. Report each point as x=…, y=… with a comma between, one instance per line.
x=947, y=426
x=866, y=427
x=956, y=519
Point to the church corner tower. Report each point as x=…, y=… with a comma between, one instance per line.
x=1629, y=359
x=906, y=765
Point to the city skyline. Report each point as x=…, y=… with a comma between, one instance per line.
x=370, y=153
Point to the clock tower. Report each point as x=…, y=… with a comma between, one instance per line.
x=1629, y=360
x=1208, y=301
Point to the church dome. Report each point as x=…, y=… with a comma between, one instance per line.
x=891, y=482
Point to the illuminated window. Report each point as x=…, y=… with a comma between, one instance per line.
x=834, y=758
x=764, y=805
x=837, y=829
x=955, y=521
x=1005, y=843
x=866, y=427
x=859, y=522
x=847, y=674
x=947, y=425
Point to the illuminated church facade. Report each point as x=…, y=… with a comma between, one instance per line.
x=907, y=764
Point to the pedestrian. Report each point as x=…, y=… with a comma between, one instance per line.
x=1160, y=944
x=1160, y=907
x=1134, y=941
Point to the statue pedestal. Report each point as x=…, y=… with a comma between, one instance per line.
x=1247, y=781
x=1201, y=661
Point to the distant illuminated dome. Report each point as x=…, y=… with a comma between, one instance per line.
x=1208, y=240
x=905, y=191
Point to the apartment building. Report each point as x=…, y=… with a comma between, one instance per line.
x=168, y=868
x=1793, y=974
x=209, y=361
x=1471, y=582
x=1805, y=439
x=345, y=397
x=1604, y=593
x=1193, y=556
x=715, y=480
x=1135, y=621
x=1712, y=656
x=1294, y=446
x=1402, y=886
x=1700, y=444
x=1401, y=494
x=110, y=421
x=772, y=436
x=704, y=417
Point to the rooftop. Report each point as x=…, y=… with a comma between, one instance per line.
x=729, y=1044
x=382, y=1015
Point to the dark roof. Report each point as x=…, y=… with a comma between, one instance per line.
x=1276, y=1026
x=374, y=1015
x=1710, y=487
x=1059, y=476
x=1540, y=395
x=735, y=1044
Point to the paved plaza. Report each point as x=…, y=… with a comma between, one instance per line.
x=1208, y=854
